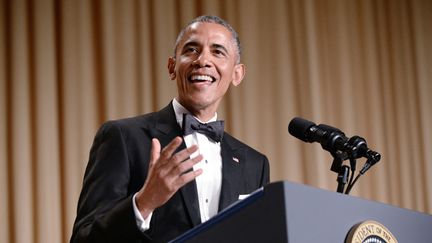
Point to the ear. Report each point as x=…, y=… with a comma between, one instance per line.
x=171, y=68
x=238, y=74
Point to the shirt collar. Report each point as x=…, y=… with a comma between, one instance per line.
x=179, y=110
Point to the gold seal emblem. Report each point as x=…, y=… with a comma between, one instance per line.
x=370, y=232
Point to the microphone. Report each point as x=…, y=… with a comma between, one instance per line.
x=341, y=148
x=331, y=139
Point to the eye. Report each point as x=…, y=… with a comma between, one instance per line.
x=190, y=49
x=219, y=52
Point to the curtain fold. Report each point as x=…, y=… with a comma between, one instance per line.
x=68, y=66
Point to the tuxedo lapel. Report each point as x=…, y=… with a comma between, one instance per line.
x=166, y=130
x=231, y=174
x=190, y=197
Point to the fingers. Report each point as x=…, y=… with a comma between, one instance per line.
x=171, y=147
x=187, y=177
x=175, y=168
x=184, y=167
x=169, y=162
x=168, y=172
x=168, y=156
x=155, y=151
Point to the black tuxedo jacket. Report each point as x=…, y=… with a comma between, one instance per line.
x=117, y=169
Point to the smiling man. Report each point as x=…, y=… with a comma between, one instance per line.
x=155, y=176
x=206, y=62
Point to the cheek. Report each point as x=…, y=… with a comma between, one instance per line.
x=181, y=85
x=222, y=88
x=226, y=78
x=226, y=69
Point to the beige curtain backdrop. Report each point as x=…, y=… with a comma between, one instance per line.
x=66, y=66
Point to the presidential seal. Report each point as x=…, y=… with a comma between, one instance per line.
x=370, y=232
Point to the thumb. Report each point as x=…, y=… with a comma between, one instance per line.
x=155, y=151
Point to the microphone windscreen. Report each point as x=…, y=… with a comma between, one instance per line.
x=299, y=128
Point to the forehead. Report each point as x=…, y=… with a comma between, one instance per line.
x=211, y=33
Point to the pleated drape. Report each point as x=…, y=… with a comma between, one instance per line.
x=67, y=66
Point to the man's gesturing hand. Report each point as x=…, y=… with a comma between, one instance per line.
x=168, y=172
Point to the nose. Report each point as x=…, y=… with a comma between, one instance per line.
x=203, y=59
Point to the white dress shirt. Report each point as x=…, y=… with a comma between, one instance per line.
x=209, y=182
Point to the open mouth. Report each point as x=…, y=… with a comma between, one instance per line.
x=198, y=78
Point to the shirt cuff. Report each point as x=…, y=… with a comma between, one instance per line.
x=143, y=224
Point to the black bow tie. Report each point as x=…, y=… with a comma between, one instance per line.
x=213, y=130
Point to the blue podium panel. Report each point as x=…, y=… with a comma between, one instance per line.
x=289, y=212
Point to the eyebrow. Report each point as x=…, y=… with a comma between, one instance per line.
x=191, y=43
x=195, y=43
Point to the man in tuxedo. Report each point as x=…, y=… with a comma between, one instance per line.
x=155, y=176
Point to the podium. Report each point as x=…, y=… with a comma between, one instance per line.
x=289, y=212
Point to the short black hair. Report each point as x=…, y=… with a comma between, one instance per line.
x=215, y=20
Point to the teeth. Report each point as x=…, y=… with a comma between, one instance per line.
x=202, y=77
